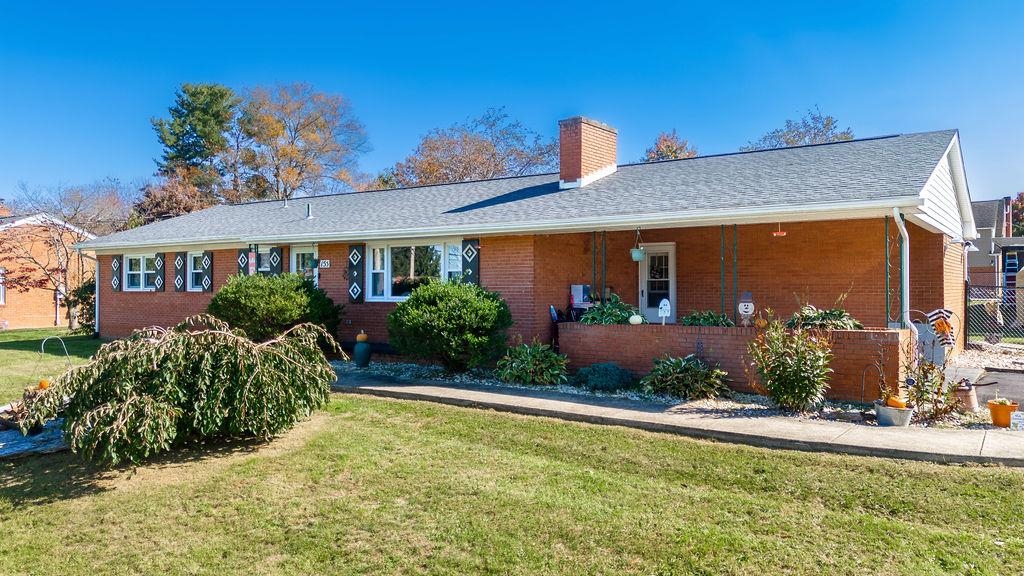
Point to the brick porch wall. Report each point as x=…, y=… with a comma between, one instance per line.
x=636, y=347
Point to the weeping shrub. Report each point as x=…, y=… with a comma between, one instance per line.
x=533, y=363
x=792, y=365
x=161, y=388
x=460, y=325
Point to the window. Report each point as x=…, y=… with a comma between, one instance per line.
x=395, y=270
x=195, y=272
x=305, y=262
x=140, y=272
x=3, y=287
x=263, y=259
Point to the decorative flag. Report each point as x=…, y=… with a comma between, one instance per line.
x=939, y=319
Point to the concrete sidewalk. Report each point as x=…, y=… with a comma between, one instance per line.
x=982, y=446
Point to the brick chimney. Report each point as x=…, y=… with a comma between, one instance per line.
x=586, y=151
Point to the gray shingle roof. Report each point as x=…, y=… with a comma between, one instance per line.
x=988, y=213
x=787, y=179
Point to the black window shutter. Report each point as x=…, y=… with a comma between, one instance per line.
x=116, y=263
x=471, y=261
x=180, y=271
x=207, y=271
x=161, y=261
x=276, y=260
x=356, y=255
x=243, y=261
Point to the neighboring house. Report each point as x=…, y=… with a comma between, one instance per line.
x=712, y=227
x=38, y=265
x=993, y=219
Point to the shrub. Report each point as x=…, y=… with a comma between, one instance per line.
x=161, y=388
x=83, y=301
x=792, y=365
x=460, y=325
x=605, y=377
x=706, y=318
x=611, y=311
x=265, y=306
x=832, y=319
x=688, y=377
x=534, y=363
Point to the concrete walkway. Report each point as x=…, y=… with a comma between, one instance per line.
x=983, y=446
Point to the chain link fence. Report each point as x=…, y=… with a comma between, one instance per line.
x=995, y=314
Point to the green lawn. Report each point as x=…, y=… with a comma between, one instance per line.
x=21, y=364
x=386, y=487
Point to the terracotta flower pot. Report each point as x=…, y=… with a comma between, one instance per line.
x=1001, y=413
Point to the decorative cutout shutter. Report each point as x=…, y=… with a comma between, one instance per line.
x=471, y=261
x=116, y=263
x=207, y=271
x=161, y=261
x=276, y=261
x=356, y=255
x=243, y=261
x=180, y=271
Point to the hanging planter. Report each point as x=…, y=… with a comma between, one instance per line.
x=638, y=252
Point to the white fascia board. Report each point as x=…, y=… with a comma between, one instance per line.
x=678, y=219
x=43, y=218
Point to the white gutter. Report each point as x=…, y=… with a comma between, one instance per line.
x=679, y=218
x=96, y=300
x=905, y=273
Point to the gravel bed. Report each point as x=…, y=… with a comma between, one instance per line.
x=984, y=355
x=750, y=405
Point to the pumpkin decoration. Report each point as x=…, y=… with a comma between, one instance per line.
x=362, y=336
x=895, y=402
x=44, y=384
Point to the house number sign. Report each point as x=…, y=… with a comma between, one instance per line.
x=1017, y=421
x=325, y=264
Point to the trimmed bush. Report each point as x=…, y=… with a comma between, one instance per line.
x=605, y=377
x=264, y=306
x=611, y=311
x=533, y=363
x=161, y=388
x=460, y=325
x=832, y=319
x=689, y=377
x=706, y=318
x=792, y=365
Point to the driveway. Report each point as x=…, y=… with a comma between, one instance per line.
x=1009, y=384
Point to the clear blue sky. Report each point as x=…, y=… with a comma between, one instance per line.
x=78, y=84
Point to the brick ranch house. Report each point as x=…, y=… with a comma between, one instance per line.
x=30, y=244
x=882, y=220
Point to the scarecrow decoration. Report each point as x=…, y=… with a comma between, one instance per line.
x=939, y=320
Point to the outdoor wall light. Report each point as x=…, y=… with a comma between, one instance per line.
x=780, y=232
x=637, y=252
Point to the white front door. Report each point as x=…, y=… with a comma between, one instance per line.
x=304, y=261
x=658, y=281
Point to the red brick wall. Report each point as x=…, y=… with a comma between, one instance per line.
x=636, y=347
x=35, y=307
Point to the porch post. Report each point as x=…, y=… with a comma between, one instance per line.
x=721, y=258
x=735, y=287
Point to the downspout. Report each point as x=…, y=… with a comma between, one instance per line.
x=904, y=272
x=96, y=300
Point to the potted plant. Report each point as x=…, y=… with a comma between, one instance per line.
x=891, y=409
x=1000, y=408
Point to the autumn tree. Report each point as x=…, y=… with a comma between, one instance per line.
x=195, y=134
x=176, y=194
x=302, y=141
x=1017, y=214
x=813, y=128
x=101, y=208
x=491, y=146
x=669, y=146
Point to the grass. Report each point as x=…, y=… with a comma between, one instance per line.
x=21, y=364
x=386, y=487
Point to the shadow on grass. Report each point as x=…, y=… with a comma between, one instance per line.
x=79, y=347
x=47, y=478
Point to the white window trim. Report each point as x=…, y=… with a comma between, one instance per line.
x=142, y=278
x=264, y=250
x=386, y=246
x=293, y=253
x=189, y=270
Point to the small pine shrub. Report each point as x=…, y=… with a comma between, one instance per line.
x=605, y=377
x=706, y=318
x=265, y=306
x=611, y=311
x=689, y=377
x=792, y=366
x=533, y=363
x=458, y=324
